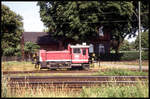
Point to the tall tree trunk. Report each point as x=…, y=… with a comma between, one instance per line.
x=117, y=50
x=22, y=47
x=118, y=46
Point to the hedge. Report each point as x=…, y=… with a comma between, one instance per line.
x=124, y=56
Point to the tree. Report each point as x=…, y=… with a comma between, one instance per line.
x=125, y=46
x=131, y=26
x=30, y=48
x=78, y=21
x=11, y=30
x=144, y=16
x=144, y=40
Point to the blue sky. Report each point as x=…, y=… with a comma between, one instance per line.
x=30, y=13
x=31, y=16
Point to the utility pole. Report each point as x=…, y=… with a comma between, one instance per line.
x=140, y=61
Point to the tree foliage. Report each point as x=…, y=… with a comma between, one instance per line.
x=144, y=40
x=79, y=21
x=125, y=46
x=30, y=47
x=132, y=27
x=11, y=30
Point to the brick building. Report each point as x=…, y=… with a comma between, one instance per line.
x=44, y=40
x=100, y=44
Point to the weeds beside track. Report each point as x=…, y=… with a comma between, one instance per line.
x=74, y=81
x=103, y=88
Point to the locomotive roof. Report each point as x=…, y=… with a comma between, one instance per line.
x=79, y=46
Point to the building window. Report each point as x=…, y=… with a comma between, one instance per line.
x=101, y=48
x=101, y=33
x=91, y=48
x=76, y=50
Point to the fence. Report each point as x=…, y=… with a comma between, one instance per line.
x=15, y=58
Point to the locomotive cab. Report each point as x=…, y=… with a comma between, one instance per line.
x=79, y=55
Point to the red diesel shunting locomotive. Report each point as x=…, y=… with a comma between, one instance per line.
x=75, y=55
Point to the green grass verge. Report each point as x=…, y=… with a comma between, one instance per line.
x=17, y=66
x=121, y=72
x=117, y=91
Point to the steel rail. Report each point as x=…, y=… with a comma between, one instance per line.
x=68, y=76
x=76, y=78
x=49, y=71
x=71, y=84
x=74, y=82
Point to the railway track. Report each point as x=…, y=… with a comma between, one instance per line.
x=50, y=71
x=60, y=71
x=74, y=81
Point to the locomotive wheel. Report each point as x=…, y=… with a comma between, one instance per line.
x=85, y=66
x=37, y=66
x=43, y=65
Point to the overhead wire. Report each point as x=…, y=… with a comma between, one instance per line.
x=118, y=21
x=112, y=21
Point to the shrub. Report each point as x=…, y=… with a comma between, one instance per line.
x=134, y=56
x=124, y=56
x=145, y=55
x=130, y=56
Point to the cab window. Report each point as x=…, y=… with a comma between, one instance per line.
x=84, y=51
x=76, y=50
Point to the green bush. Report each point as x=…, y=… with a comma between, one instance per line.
x=124, y=56
x=134, y=56
x=130, y=56
x=109, y=57
x=145, y=55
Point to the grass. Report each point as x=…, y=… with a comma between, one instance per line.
x=117, y=91
x=28, y=66
x=120, y=72
x=135, y=62
x=17, y=66
x=140, y=90
x=51, y=74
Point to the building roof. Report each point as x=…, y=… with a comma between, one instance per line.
x=39, y=38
